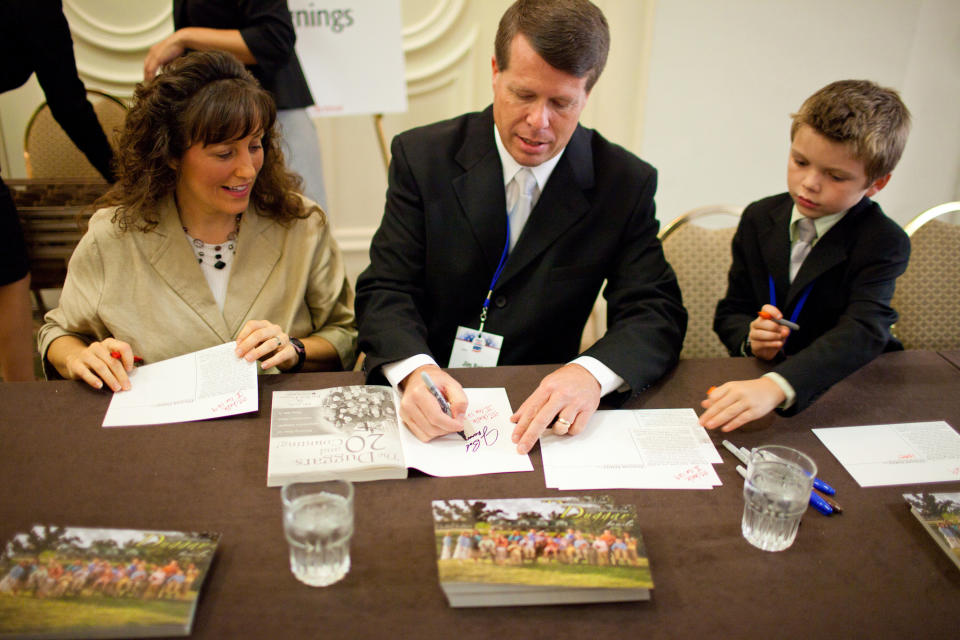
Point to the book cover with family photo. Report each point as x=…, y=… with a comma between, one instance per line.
x=939, y=513
x=74, y=582
x=529, y=551
x=355, y=433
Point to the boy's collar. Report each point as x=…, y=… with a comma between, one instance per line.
x=822, y=224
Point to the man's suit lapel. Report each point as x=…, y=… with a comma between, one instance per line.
x=172, y=257
x=480, y=188
x=561, y=205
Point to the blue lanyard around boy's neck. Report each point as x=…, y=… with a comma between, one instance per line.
x=496, y=276
x=800, y=302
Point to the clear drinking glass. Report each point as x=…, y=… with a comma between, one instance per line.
x=776, y=492
x=318, y=525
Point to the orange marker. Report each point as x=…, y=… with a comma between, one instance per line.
x=710, y=390
x=780, y=321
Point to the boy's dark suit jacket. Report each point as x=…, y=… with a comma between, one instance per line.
x=845, y=322
x=443, y=232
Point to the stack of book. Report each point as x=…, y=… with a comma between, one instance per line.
x=74, y=582
x=532, y=551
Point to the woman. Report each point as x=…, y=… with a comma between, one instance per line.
x=206, y=240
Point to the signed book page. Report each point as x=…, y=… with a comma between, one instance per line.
x=487, y=449
x=356, y=433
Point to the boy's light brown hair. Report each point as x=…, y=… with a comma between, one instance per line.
x=871, y=120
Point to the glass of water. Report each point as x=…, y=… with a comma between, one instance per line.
x=318, y=525
x=776, y=492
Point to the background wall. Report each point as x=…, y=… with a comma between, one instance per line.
x=725, y=76
x=700, y=88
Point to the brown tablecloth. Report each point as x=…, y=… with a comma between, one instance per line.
x=952, y=356
x=872, y=572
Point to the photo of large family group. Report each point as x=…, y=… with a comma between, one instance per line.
x=70, y=578
x=584, y=542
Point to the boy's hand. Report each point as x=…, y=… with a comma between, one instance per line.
x=736, y=403
x=766, y=336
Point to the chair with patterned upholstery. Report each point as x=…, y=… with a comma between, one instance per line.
x=926, y=294
x=697, y=246
x=49, y=152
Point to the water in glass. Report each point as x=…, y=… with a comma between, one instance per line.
x=318, y=528
x=775, y=496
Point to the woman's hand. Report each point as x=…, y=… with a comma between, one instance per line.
x=265, y=341
x=94, y=363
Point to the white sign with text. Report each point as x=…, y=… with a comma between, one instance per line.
x=351, y=52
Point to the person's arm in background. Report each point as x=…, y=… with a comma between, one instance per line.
x=266, y=40
x=50, y=47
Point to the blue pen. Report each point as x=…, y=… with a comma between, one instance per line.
x=820, y=504
x=816, y=501
x=817, y=482
x=820, y=485
x=444, y=405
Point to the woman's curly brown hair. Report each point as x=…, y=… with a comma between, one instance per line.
x=205, y=97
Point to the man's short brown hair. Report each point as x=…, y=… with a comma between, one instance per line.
x=871, y=120
x=570, y=35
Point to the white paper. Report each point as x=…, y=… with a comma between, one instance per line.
x=352, y=55
x=211, y=383
x=641, y=449
x=890, y=454
x=489, y=450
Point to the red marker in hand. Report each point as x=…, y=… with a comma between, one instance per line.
x=137, y=360
x=786, y=323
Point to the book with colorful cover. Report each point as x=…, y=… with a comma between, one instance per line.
x=532, y=551
x=939, y=513
x=75, y=582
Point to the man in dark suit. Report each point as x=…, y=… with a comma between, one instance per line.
x=499, y=230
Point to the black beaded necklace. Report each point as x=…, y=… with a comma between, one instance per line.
x=200, y=247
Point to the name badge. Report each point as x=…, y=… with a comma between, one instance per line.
x=473, y=348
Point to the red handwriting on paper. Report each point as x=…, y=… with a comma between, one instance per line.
x=692, y=474
x=908, y=456
x=230, y=403
x=484, y=414
x=485, y=437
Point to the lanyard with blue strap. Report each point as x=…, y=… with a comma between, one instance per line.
x=478, y=342
x=797, y=307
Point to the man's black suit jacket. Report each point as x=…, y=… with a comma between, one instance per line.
x=845, y=322
x=443, y=232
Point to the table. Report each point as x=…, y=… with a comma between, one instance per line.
x=872, y=572
x=952, y=356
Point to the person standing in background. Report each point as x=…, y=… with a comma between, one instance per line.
x=260, y=34
x=35, y=38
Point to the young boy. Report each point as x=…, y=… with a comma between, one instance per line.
x=822, y=256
